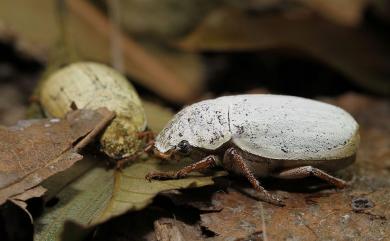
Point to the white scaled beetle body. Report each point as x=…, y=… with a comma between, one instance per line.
x=283, y=136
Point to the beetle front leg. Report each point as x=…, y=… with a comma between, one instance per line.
x=146, y=135
x=233, y=157
x=205, y=163
x=307, y=171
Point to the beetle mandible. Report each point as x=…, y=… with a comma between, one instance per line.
x=261, y=135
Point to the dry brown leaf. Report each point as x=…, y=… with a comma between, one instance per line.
x=306, y=217
x=37, y=191
x=240, y=216
x=133, y=192
x=357, y=53
x=345, y=12
x=178, y=17
x=33, y=150
x=20, y=199
x=79, y=200
x=114, y=192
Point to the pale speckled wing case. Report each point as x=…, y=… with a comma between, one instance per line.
x=271, y=126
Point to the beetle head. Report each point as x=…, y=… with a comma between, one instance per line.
x=202, y=125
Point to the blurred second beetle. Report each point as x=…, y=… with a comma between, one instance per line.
x=88, y=85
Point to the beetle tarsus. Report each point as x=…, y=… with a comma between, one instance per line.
x=275, y=200
x=160, y=176
x=204, y=164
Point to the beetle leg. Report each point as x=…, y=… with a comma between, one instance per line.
x=238, y=162
x=201, y=165
x=147, y=136
x=306, y=171
x=149, y=147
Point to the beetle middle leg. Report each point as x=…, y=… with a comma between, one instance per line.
x=307, y=171
x=205, y=163
x=233, y=157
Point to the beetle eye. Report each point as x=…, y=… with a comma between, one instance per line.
x=184, y=147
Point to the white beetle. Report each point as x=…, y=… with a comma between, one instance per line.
x=261, y=135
